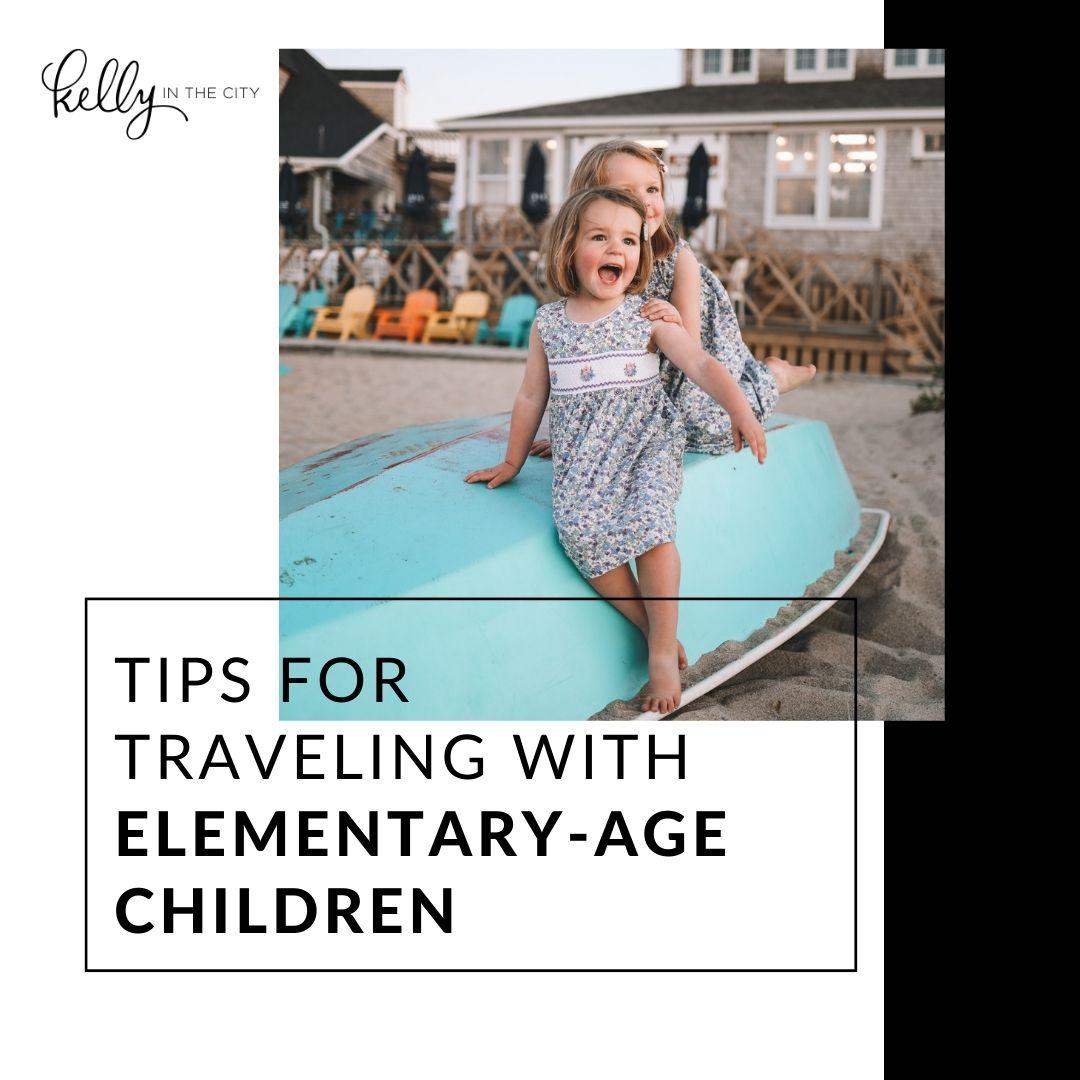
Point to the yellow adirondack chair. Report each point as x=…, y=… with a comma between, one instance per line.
x=349, y=320
x=461, y=323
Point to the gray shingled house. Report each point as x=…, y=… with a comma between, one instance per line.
x=343, y=131
x=831, y=150
x=343, y=151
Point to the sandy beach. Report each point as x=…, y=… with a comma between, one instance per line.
x=896, y=461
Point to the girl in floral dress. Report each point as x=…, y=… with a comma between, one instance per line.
x=681, y=290
x=616, y=439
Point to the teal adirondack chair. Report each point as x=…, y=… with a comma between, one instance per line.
x=286, y=299
x=301, y=315
x=515, y=322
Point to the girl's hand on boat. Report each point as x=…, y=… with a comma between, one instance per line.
x=541, y=448
x=495, y=477
x=747, y=427
x=655, y=310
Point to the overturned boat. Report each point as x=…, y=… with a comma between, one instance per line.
x=386, y=553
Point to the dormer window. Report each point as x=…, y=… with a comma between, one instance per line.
x=725, y=66
x=817, y=65
x=914, y=63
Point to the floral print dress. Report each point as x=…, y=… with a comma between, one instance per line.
x=708, y=426
x=616, y=440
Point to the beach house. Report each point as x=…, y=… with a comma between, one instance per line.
x=830, y=150
x=344, y=133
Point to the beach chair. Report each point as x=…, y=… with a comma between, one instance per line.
x=460, y=324
x=515, y=322
x=408, y=323
x=301, y=315
x=350, y=319
x=286, y=299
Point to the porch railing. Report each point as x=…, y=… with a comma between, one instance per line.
x=891, y=307
x=836, y=293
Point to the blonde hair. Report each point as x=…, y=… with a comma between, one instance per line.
x=561, y=238
x=590, y=172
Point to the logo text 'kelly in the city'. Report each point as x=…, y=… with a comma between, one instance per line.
x=116, y=91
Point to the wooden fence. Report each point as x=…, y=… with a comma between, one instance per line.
x=403, y=266
x=853, y=312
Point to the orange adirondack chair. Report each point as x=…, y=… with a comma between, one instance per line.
x=461, y=323
x=408, y=323
x=351, y=318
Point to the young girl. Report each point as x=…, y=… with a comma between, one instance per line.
x=697, y=299
x=616, y=439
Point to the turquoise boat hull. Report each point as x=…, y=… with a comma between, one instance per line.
x=471, y=591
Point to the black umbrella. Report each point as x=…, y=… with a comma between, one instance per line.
x=696, y=207
x=417, y=186
x=288, y=195
x=534, y=200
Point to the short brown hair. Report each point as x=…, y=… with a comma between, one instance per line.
x=559, y=242
x=590, y=173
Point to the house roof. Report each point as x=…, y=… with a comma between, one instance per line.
x=386, y=75
x=317, y=118
x=761, y=97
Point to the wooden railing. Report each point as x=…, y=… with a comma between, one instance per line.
x=497, y=225
x=499, y=270
x=834, y=294
x=883, y=307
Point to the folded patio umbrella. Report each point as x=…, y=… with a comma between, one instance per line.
x=534, y=200
x=417, y=186
x=288, y=195
x=696, y=207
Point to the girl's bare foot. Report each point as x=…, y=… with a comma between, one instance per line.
x=789, y=376
x=664, y=690
x=683, y=662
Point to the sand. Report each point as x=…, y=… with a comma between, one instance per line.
x=895, y=460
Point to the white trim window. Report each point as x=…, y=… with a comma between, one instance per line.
x=824, y=179
x=492, y=171
x=497, y=166
x=725, y=66
x=914, y=63
x=820, y=65
x=928, y=142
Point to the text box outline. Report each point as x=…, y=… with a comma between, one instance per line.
x=853, y=600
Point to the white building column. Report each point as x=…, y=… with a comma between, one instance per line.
x=315, y=215
x=515, y=171
x=557, y=181
x=459, y=190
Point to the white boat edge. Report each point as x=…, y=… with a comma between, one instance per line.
x=729, y=671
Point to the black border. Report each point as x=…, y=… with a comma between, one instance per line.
x=87, y=600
